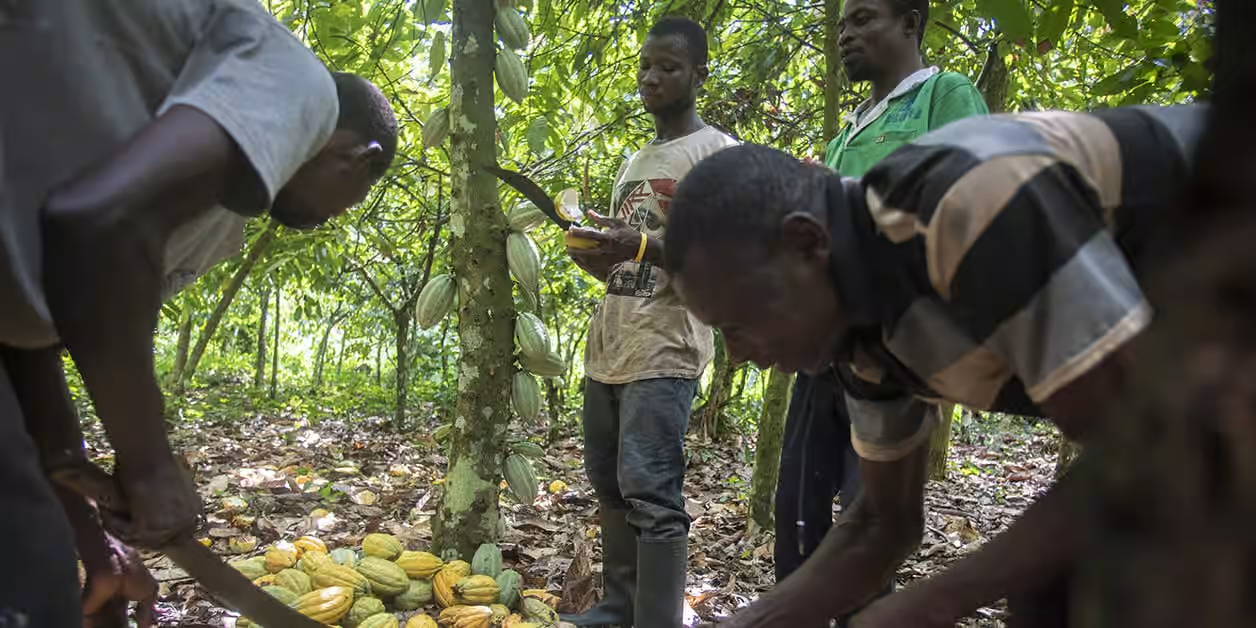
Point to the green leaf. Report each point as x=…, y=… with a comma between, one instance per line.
x=1053, y=22
x=437, y=55
x=1122, y=23
x=1011, y=15
x=538, y=130
x=429, y=11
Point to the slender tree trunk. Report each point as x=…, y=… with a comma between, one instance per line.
x=708, y=416
x=940, y=442
x=402, y=374
x=340, y=359
x=835, y=84
x=274, y=352
x=767, y=452
x=233, y=288
x=993, y=82
x=181, y=348
x=468, y=513
x=321, y=357
x=379, y=364
x=259, y=362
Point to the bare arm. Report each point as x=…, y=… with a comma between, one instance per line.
x=105, y=233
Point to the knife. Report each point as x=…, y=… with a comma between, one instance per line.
x=206, y=567
x=535, y=194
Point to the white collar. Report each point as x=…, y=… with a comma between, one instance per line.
x=867, y=113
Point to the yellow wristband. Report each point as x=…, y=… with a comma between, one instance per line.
x=641, y=251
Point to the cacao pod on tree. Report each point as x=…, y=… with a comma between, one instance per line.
x=523, y=260
x=435, y=301
x=511, y=28
x=527, y=448
x=531, y=336
x=512, y=77
x=525, y=394
x=436, y=128
x=520, y=478
x=548, y=365
x=525, y=217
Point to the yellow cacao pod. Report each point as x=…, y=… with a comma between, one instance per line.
x=525, y=395
x=577, y=242
x=280, y=558
x=327, y=605
x=385, y=546
x=525, y=217
x=511, y=28
x=420, y=621
x=538, y=611
x=476, y=590
x=313, y=560
x=531, y=336
x=436, y=128
x=333, y=575
x=307, y=543
x=386, y=577
x=548, y=365
x=435, y=301
x=298, y=581
x=420, y=565
x=549, y=599
x=362, y=608
x=381, y=620
x=252, y=568
x=500, y=613
x=520, y=478
x=515, y=621
x=524, y=261
x=445, y=579
x=512, y=77
x=467, y=617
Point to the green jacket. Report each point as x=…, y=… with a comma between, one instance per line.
x=930, y=104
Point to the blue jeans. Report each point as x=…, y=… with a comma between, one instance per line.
x=634, y=451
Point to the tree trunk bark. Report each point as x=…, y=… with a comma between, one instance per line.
x=402, y=375
x=708, y=416
x=993, y=82
x=259, y=362
x=834, y=75
x=181, y=348
x=468, y=513
x=233, y=288
x=767, y=451
x=340, y=359
x=274, y=352
x=379, y=365
x=940, y=442
x=321, y=357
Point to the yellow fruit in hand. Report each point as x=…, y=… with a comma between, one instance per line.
x=576, y=242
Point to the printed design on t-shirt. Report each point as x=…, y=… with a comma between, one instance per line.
x=643, y=205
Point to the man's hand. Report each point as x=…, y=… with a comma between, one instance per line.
x=113, y=583
x=906, y=609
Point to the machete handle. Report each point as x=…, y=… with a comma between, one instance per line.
x=90, y=481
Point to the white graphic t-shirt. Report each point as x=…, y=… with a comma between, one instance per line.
x=640, y=330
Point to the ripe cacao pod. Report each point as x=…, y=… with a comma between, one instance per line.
x=548, y=365
x=325, y=606
x=523, y=260
x=500, y=613
x=511, y=28
x=362, y=608
x=435, y=301
x=525, y=217
x=538, y=611
x=445, y=579
x=314, y=560
x=520, y=478
x=298, y=581
x=525, y=394
x=415, y=596
x=487, y=560
x=279, y=558
x=419, y=565
x=283, y=594
x=266, y=580
x=252, y=568
x=513, y=620
x=531, y=336
x=344, y=556
x=476, y=590
x=379, y=620
x=385, y=546
x=527, y=448
x=467, y=616
x=512, y=77
x=436, y=128
x=306, y=543
x=549, y=599
x=420, y=621
x=508, y=586
x=577, y=242
x=386, y=577
x=333, y=575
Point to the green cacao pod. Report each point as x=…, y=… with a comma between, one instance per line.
x=441, y=433
x=520, y=478
x=436, y=128
x=536, y=610
x=364, y=607
x=252, y=568
x=527, y=448
x=415, y=596
x=509, y=583
x=314, y=560
x=531, y=336
x=523, y=259
x=487, y=560
x=387, y=578
x=283, y=594
x=525, y=394
x=512, y=77
x=435, y=301
x=344, y=556
x=297, y=581
x=527, y=301
x=548, y=365
x=511, y=28
x=385, y=546
x=379, y=620
x=525, y=217
x=333, y=575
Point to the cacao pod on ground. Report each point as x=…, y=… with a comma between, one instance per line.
x=252, y=568
x=298, y=581
x=387, y=578
x=379, y=620
x=487, y=560
x=415, y=596
x=362, y=608
x=333, y=575
x=520, y=478
x=420, y=621
x=548, y=598
x=327, y=605
x=344, y=556
x=420, y=565
x=508, y=586
x=283, y=594
x=385, y=546
x=314, y=560
x=467, y=616
x=476, y=590
x=538, y=611
x=445, y=579
x=307, y=543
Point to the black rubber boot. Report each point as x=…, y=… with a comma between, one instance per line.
x=661, y=583
x=619, y=573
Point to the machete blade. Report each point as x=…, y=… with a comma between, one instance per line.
x=531, y=191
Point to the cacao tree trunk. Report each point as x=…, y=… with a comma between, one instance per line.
x=468, y=514
x=340, y=359
x=401, y=319
x=708, y=420
x=259, y=362
x=274, y=351
x=181, y=347
x=767, y=450
x=379, y=365
x=835, y=84
x=993, y=81
x=940, y=441
x=321, y=357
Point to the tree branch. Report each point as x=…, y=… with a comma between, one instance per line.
x=972, y=46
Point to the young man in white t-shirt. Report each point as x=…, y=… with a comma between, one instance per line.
x=138, y=136
x=645, y=352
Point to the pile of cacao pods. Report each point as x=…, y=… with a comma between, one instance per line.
x=381, y=584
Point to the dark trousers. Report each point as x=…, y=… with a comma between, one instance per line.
x=634, y=451
x=44, y=592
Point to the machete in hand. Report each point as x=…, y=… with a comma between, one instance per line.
x=206, y=567
x=563, y=214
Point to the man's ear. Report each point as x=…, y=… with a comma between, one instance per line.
x=912, y=26
x=803, y=235
x=362, y=154
x=700, y=74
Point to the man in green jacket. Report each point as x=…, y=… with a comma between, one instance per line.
x=879, y=43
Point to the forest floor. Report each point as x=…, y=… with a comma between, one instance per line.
x=274, y=477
